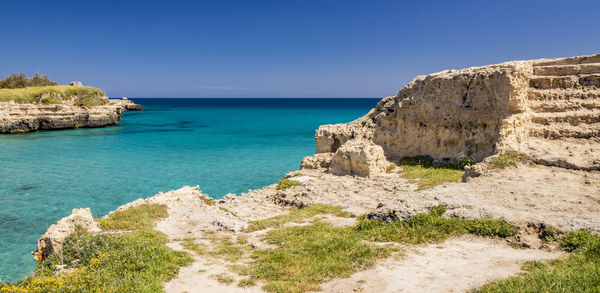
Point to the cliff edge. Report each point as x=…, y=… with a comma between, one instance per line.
x=27, y=117
x=548, y=109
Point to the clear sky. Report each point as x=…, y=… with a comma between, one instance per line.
x=279, y=48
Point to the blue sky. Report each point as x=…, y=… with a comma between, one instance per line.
x=281, y=48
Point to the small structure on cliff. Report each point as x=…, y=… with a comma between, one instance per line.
x=548, y=109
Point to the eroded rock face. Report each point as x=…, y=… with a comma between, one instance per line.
x=15, y=118
x=548, y=109
x=359, y=157
x=52, y=241
x=318, y=161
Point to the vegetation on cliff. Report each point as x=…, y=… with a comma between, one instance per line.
x=40, y=89
x=137, y=261
x=56, y=94
x=20, y=80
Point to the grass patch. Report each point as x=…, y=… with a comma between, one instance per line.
x=191, y=245
x=135, y=262
x=425, y=174
x=431, y=227
x=135, y=218
x=579, y=272
x=57, y=94
x=228, y=250
x=287, y=183
x=510, y=159
x=248, y=282
x=223, y=279
x=308, y=255
x=298, y=215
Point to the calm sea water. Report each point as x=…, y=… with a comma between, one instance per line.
x=223, y=145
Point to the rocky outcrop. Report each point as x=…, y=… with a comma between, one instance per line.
x=358, y=157
x=548, y=109
x=52, y=241
x=16, y=118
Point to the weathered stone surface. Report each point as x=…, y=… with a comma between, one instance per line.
x=358, y=157
x=15, y=118
x=474, y=171
x=318, y=161
x=548, y=109
x=75, y=83
x=55, y=236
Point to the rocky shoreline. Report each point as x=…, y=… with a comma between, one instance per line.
x=18, y=118
x=479, y=113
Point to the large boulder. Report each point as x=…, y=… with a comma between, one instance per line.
x=359, y=157
x=54, y=238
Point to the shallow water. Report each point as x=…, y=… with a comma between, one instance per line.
x=223, y=145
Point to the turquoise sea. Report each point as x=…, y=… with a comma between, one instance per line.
x=223, y=145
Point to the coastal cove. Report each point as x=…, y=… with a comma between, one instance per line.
x=223, y=145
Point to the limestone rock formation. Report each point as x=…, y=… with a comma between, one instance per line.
x=16, y=118
x=318, y=161
x=358, y=157
x=56, y=234
x=548, y=109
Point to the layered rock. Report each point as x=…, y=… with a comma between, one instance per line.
x=16, y=118
x=548, y=109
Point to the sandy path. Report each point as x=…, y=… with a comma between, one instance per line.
x=456, y=265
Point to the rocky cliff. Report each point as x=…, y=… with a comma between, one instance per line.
x=16, y=118
x=548, y=109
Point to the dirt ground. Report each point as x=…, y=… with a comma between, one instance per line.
x=527, y=196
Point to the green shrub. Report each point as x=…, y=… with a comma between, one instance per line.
x=464, y=161
x=20, y=80
x=287, y=183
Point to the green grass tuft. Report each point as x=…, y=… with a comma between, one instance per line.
x=579, y=272
x=223, y=279
x=298, y=215
x=135, y=218
x=248, y=282
x=287, y=183
x=431, y=227
x=509, y=159
x=391, y=168
x=191, y=245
